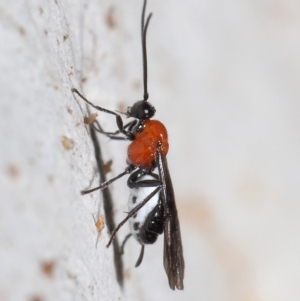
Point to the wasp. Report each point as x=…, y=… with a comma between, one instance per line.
x=152, y=202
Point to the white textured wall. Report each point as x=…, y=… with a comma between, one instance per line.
x=224, y=77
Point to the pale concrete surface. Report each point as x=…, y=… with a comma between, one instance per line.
x=224, y=78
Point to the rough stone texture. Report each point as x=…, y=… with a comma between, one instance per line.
x=224, y=78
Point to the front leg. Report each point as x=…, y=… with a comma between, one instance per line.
x=129, y=135
x=111, y=135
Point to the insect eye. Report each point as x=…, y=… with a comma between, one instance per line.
x=141, y=110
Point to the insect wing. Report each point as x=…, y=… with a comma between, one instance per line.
x=173, y=253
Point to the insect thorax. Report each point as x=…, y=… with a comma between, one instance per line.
x=141, y=151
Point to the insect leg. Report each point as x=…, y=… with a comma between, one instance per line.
x=111, y=135
x=99, y=128
x=124, y=242
x=132, y=213
x=129, y=135
x=140, y=259
x=128, y=170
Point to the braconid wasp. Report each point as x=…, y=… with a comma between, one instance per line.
x=152, y=202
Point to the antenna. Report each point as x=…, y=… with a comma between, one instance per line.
x=144, y=49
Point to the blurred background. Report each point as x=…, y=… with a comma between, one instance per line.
x=224, y=78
